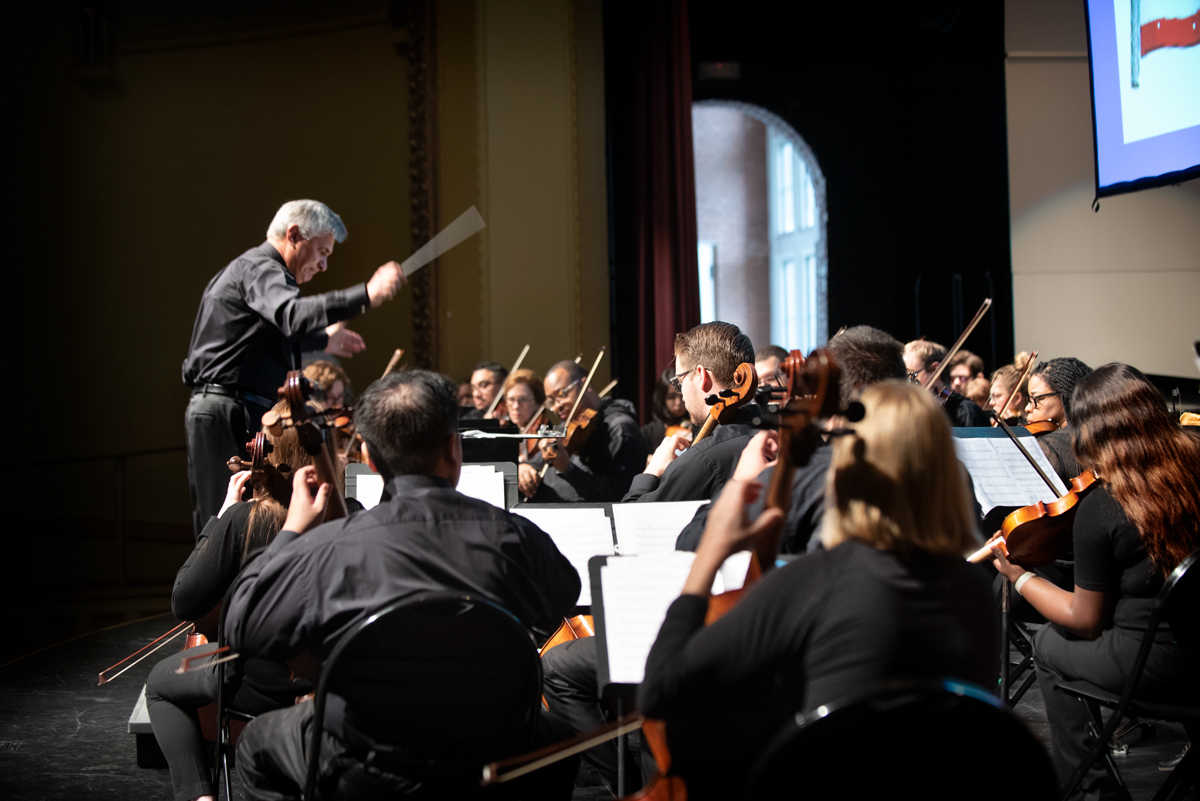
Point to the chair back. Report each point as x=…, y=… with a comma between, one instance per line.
x=946, y=739
x=438, y=677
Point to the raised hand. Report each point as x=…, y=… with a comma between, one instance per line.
x=385, y=283
x=343, y=342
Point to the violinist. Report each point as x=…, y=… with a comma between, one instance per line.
x=487, y=380
x=524, y=396
x=229, y=540
x=1050, y=386
x=766, y=364
x=668, y=412
x=890, y=597
x=1003, y=381
x=705, y=358
x=922, y=359
x=423, y=535
x=963, y=368
x=612, y=452
x=1129, y=533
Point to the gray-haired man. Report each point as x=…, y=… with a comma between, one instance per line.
x=250, y=324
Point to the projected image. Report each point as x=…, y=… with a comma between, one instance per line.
x=1158, y=55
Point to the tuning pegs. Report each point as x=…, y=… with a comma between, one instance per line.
x=712, y=400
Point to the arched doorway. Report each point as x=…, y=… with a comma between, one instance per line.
x=761, y=221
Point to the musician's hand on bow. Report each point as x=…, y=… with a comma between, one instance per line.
x=343, y=342
x=384, y=284
x=555, y=454
x=527, y=479
x=761, y=453
x=309, y=499
x=666, y=453
x=234, y=494
x=1000, y=558
x=728, y=531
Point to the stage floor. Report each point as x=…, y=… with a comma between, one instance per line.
x=62, y=737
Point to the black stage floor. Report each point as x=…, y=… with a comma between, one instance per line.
x=62, y=737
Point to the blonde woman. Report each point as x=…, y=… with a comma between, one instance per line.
x=890, y=597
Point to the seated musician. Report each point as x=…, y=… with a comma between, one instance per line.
x=963, y=368
x=1129, y=533
x=766, y=364
x=523, y=397
x=706, y=358
x=330, y=382
x=611, y=452
x=922, y=358
x=422, y=536
x=486, y=382
x=1050, y=386
x=239, y=532
x=865, y=356
x=668, y=411
x=890, y=597
x=1003, y=382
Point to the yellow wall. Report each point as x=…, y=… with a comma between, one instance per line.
x=521, y=136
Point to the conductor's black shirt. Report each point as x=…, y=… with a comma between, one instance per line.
x=250, y=315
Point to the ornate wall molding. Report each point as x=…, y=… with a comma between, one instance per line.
x=422, y=167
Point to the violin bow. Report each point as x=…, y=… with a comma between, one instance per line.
x=1020, y=380
x=987, y=304
x=516, y=366
x=608, y=388
x=559, y=751
x=578, y=399
x=391, y=365
x=153, y=645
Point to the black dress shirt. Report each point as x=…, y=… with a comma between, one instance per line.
x=964, y=413
x=250, y=315
x=699, y=472
x=603, y=469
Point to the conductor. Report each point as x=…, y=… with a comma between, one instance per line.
x=249, y=331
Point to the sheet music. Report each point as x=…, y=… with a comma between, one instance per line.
x=368, y=489
x=637, y=592
x=644, y=528
x=484, y=482
x=466, y=224
x=579, y=535
x=1002, y=475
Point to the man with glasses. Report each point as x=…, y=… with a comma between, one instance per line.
x=922, y=359
x=611, y=455
x=486, y=381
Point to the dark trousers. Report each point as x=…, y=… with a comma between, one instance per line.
x=172, y=701
x=1104, y=662
x=573, y=694
x=272, y=760
x=218, y=428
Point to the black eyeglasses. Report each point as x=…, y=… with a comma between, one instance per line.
x=565, y=391
x=1035, y=398
x=677, y=382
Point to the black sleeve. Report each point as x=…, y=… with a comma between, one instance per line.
x=555, y=579
x=689, y=538
x=627, y=458
x=1096, y=568
x=691, y=477
x=202, y=581
x=266, y=290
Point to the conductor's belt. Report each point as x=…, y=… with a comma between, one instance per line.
x=232, y=392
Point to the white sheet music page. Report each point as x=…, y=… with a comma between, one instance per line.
x=1002, y=475
x=637, y=592
x=579, y=535
x=484, y=482
x=368, y=489
x=651, y=527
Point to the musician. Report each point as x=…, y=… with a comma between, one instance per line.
x=1050, y=386
x=865, y=356
x=766, y=364
x=1003, y=381
x=330, y=382
x=229, y=540
x=523, y=397
x=706, y=358
x=922, y=359
x=422, y=536
x=890, y=597
x=1129, y=534
x=668, y=410
x=487, y=380
x=251, y=324
x=963, y=368
x=611, y=455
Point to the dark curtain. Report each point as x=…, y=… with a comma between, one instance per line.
x=652, y=194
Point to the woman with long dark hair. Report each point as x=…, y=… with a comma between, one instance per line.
x=1130, y=533
x=238, y=533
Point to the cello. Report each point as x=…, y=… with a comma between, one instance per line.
x=723, y=404
x=314, y=436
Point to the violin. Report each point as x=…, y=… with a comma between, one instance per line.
x=1041, y=427
x=722, y=405
x=1038, y=534
x=297, y=391
x=682, y=429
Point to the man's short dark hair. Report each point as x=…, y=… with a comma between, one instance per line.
x=770, y=351
x=720, y=347
x=405, y=418
x=866, y=356
x=573, y=370
x=499, y=372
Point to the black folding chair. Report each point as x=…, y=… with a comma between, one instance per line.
x=1178, y=604
x=225, y=713
x=434, y=687
x=952, y=738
